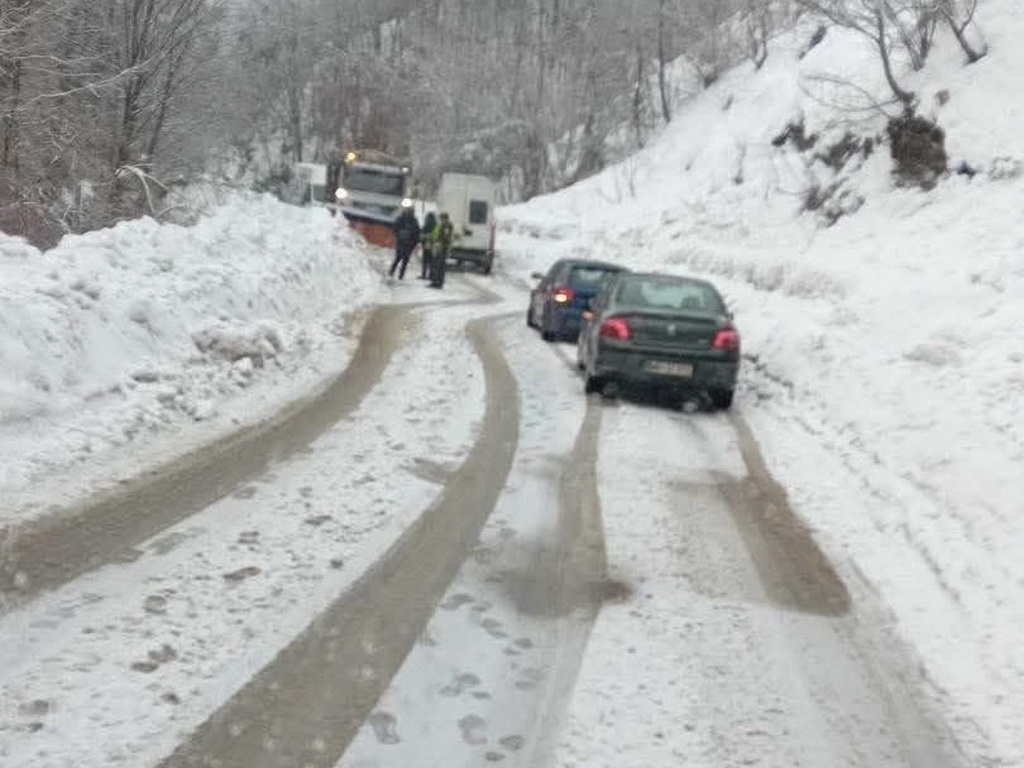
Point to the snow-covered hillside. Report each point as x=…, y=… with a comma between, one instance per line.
x=150, y=329
x=891, y=337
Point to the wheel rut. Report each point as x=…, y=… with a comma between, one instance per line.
x=55, y=550
x=304, y=708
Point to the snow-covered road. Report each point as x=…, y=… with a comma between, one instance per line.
x=456, y=559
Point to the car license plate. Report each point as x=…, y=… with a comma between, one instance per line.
x=669, y=369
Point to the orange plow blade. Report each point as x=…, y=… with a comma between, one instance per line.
x=374, y=232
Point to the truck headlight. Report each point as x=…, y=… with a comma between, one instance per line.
x=340, y=193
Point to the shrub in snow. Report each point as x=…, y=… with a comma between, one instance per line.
x=838, y=154
x=831, y=202
x=814, y=284
x=918, y=147
x=816, y=38
x=966, y=169
x=1005, y=168
x=796, y=134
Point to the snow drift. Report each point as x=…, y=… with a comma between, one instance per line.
x=145, y=328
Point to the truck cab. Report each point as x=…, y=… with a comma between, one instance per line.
x=370, y=190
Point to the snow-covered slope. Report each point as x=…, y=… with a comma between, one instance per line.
x=893, y=336
x=151, y=329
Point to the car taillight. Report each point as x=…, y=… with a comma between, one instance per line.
x=615, y=328
x=727, y=339
x=563, y=295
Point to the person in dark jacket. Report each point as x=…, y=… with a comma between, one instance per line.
x=428, y=240
x=407, y=237
x=445, y=236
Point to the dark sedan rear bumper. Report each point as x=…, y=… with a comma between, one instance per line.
x=640, y=367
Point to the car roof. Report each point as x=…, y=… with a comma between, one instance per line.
x=682, y=278
x=593, y=263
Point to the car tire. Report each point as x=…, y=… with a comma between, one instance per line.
x=721, y=398
x=529, y=317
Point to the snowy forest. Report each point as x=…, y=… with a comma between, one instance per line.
x=108, y=104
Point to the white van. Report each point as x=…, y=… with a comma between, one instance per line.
x=469, y=201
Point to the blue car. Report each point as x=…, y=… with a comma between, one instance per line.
x=561, y=296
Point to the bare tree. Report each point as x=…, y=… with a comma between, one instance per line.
x=712, y=36
x=151, y=45
x=757, y=23
x=891, y=25
x=959, y=15
x=663, y=56
x=100, y=99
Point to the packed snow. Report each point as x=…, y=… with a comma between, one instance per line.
x=890, y=338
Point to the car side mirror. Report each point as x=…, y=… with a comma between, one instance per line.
x=536, y=276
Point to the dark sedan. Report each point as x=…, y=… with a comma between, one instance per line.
x=561, y=296
x=661, y=331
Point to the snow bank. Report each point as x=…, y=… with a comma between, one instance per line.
x=895, y=332
x=146, y=327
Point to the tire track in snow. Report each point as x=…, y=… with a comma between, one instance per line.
x=56, y=550
x=852, y=677
x=48, y=553
x=304, y=708
x=584, y=584
x=793, y=569
x=491, y=676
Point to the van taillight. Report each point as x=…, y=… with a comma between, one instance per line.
x=727, y=339
x=615, y=328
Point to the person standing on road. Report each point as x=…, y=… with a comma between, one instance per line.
x=428, y=245
x=445, y=236
x=407, y=237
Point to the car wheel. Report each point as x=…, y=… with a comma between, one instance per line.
x=721, y=398
x=529, y=317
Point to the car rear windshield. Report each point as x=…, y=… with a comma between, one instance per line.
x=669, y=293
x=584, y=278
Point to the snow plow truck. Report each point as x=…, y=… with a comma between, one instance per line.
x=370, y=188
